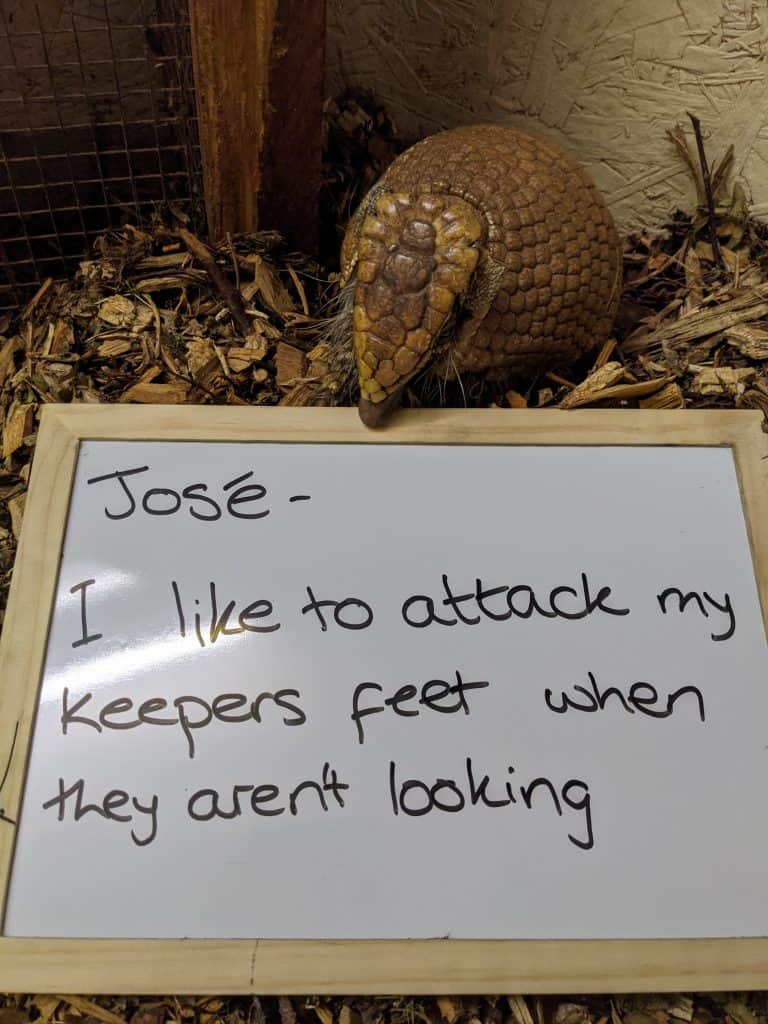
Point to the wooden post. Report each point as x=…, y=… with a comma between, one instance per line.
x=259, y=81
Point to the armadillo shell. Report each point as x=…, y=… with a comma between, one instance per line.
x=547, y=225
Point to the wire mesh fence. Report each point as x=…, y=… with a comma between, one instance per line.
x=97, y=128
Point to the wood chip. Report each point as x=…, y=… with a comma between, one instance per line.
x=258, y=342
x=584, y=393
x=88, y=396
x=61, y=340
x=149, y=375
x=290, y=363
x=240, y=359
x=571, y=1013
x=175, y=393
x=624, y=392
x=268, y=285
x=117, y=310
x=605, y=353
x=682, y=1009
x=544, y=397
x=149, y=1015
x=164, y=262
x=738, y=1012
x=7, y=351
x=59, y=379
x=721, y=380
x=89, y=1008
x=46, y=1007
x=516, y=400
x=113, y=347
x=519, y=1008
x=287, y=1012
x=748, y=305
x=668, y=397
x=449, y=1008
x=16, y=510
x=319, y=359
x=19, y=423
x=170, y=282
x=300, y=289
x=752, y=342
x=201, y=354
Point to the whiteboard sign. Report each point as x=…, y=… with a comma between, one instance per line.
x=295, y=690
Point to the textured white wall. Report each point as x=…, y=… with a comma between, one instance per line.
x=605, y=78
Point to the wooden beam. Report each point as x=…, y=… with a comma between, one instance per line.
x=292, y=152
x=230, y=43
x=259, y=81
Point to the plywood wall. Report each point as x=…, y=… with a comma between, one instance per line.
x=604, y=77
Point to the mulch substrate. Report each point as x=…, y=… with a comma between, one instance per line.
x=727, y=1008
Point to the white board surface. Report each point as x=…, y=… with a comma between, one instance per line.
x=516, y=815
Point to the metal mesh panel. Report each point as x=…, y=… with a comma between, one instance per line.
x=97, y=126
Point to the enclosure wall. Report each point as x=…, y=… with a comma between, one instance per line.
x=606, y=78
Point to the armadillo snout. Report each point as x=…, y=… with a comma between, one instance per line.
x=376, y=414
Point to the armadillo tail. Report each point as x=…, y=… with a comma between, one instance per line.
x=415, y=256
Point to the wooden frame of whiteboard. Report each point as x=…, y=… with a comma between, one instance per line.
x=371, y=966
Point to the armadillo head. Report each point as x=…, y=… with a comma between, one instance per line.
x=414, y=257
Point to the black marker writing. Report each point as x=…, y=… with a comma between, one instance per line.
x=351, y=613
x=3, y=816
x=201, y=506
x=436, y=695
x=641, y=697
x=500, y=603
x=416, y=798
x=243, y=495
x=86, y=638
x=238, y=499
x=179, y=608
x=206, y=804
x=250, y=619
x=703, y=602
x=115, y=801
x=120, y=476
x=189, y=713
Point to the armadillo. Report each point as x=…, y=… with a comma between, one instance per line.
x=481, y=249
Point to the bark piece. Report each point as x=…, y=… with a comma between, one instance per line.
x=174, y=393
x=19, y=423
x=290, y=363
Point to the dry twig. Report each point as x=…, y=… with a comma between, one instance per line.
x=224, y=287
x=708, y=192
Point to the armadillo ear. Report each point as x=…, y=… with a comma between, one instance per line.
x=416, y=256
x=484, y=286
x=483, y=289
